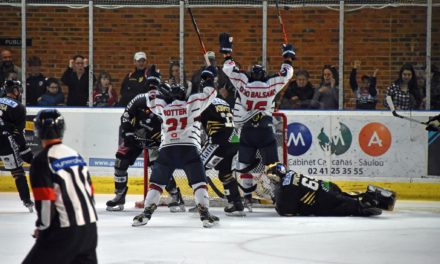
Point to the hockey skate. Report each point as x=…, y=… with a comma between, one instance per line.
x=29, y=205
x=177, y=204
x=144, y=217
x=117, y=203
x=247, y=202
x=193, y=209
x=208, y=219
x=385, y=199
x=235, y=209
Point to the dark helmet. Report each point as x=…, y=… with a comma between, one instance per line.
x=207, y=76
x=49, y=124
x=11, y=85
x=258, y=73
x=153, y=78
x=172, y=92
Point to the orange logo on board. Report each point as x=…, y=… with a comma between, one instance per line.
x=375, y=139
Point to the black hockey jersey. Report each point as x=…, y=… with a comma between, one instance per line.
x=217, y=122
x=138, y=120
x=12, y=115
x=297, y=194
x=62, y=188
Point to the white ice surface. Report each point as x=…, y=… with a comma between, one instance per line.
x=410, y=234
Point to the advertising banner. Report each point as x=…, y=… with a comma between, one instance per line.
x=372, y=144
x=320, y=143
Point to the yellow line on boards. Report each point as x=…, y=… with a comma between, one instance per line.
x=404, y=190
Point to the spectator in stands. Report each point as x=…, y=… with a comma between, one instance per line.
x=7, y=66
x=327, y=94
x=404, y=91
x=135, y=82
x=11, y=76
x=53, y=95
x=435, y=88
x=35, y=82
x=299, y=93
x=76, y=77
x=366, y=92
x=174, y=77
x=104, y=94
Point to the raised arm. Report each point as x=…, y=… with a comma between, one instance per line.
x=198, y=102
x=280, y=79
x=231, y=70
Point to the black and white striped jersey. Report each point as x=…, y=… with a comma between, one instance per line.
x=62, y=188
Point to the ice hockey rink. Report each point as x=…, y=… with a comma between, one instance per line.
x=409, y=234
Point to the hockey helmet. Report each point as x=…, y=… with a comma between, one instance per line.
x=49, y=124
x=177, y=92
x=258, y=73
x=172, y=92
x=11, y=85
x=208, y=75
x=276, y=170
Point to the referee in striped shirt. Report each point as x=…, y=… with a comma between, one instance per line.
x=66, y=225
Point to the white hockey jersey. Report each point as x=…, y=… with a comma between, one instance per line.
x=255, y=97
x=179, y=126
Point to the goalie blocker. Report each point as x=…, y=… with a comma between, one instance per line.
x=296, y=194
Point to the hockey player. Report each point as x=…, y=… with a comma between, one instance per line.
x=219, y=150
x=296, y=194
x=180, y=146
x=140, y=129
x=13, y=148
x=254, y=106
x=66, y=224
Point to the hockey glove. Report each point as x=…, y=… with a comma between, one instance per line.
x=225, y=41
x=153, y=79
x=288, y=51
x=434, y=124
x=129, y=140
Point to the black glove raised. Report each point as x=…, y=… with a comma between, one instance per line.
x=153, y=77
x=288, y=51
x=225, y=41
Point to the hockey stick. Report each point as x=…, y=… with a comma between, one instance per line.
x=280, y=19
x=196, y=28
x=393, y=110
x=214, y=188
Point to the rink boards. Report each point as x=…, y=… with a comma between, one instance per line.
x=353, y=147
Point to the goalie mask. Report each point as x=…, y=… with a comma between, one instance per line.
x=276, y=171
x=258, y=73
x=49, y=124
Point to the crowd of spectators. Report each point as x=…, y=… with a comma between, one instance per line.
x=407, y=91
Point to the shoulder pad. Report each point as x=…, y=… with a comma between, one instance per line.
x=9, y=102
x=219, y=101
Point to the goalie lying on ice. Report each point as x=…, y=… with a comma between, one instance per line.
x=296, y=194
